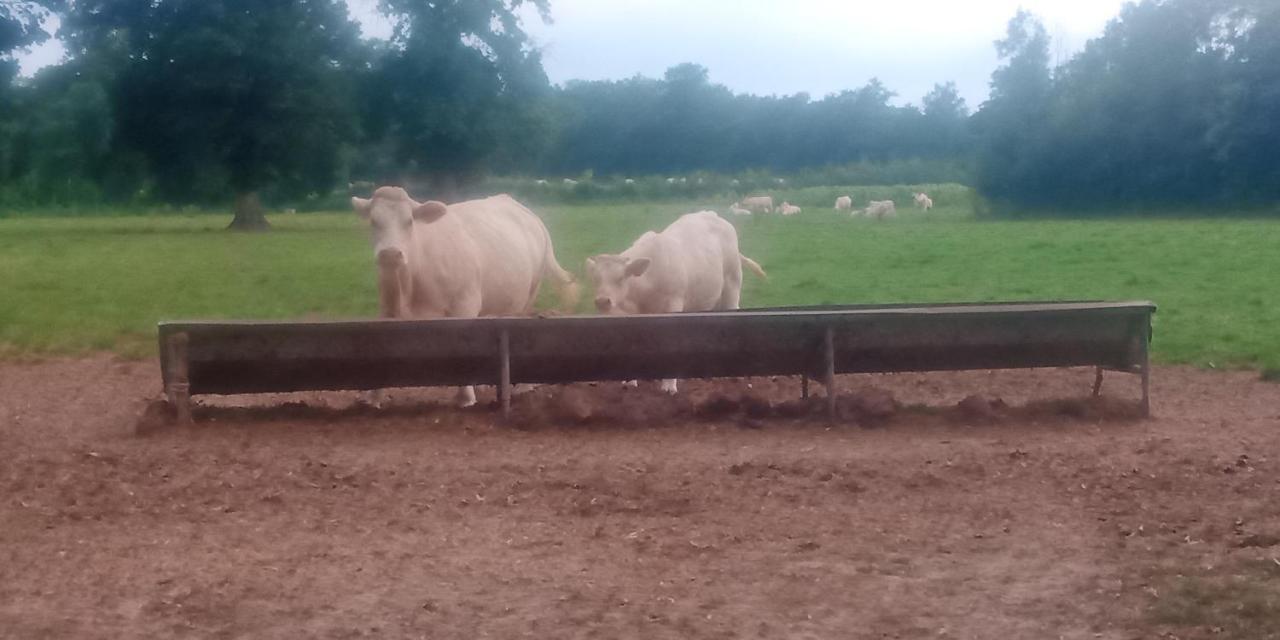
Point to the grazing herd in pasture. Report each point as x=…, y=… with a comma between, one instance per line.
x=875, y=209
x=488, y=257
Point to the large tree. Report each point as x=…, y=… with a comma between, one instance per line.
x=219, y=95
x=459, y=90
x=1011, y=122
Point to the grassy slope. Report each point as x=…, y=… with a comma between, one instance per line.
x=70, y=285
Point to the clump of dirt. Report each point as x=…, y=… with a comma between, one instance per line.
x=573, y=405
x=1088, y=408
x=870, y=406
x=979, y=408
x=156, y=414
x=718, y=407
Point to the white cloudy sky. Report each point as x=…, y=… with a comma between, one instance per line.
x=783, y=46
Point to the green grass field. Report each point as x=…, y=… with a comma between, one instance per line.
x=72, y=285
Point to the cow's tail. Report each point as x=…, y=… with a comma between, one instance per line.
x=753, y=265
x=566, y=283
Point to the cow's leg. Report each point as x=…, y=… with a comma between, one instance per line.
x=373, y=397
x=467, y=307
x=669, y=384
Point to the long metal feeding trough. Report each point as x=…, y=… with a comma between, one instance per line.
x=233, y=357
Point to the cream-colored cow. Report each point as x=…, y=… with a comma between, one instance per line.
x=757, y=203
x=477, y=258
x=880, y=209
x=923, y=201
x=692, y=265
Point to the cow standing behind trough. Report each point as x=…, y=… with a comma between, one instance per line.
x=923, y=201
x=881, y=209
x=692, y=265
x=476, y=258
x=757, y=203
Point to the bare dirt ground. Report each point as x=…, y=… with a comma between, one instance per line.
x=603, y=512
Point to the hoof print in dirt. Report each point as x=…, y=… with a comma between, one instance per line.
x=1261, y=541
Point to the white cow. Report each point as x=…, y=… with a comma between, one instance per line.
x=628, y=181
x=570, y=182
x=923, y=201
x=671, y=180
x=788, y=209
x=880, y=209
x=692, y=265
x=738, y=211
x=757, y=203
x=476, y=258
x=540, y=183
x=844, y=203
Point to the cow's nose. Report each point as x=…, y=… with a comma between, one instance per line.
x=603, y=304
x=390, y=258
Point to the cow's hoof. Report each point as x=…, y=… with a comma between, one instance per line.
x=466, y=397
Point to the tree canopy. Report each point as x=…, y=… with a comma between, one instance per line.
x=1176, y=103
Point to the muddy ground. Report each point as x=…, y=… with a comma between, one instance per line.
x=1028, y=511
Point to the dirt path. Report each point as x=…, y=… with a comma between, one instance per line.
x=641, y=516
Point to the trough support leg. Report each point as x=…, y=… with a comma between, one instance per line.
x=504, y=373
x=804, y=387
x=829, y=371
x=1097, y=383
x=178, y=386
x=1144, y=335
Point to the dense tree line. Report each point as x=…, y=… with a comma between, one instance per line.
x=205, y=101
x=1177, y=103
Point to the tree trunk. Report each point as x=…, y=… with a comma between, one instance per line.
x=249, y=214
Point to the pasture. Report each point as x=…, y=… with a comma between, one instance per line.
x=75, y=285
x=316, y=515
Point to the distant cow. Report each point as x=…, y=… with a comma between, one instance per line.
x=540, y=183
x=692, y=265
x=844, y=203
x=923, y=201
x=881, y=209
x=628, y=181
x=738, y=211
x=788, y=209
x=757, y=203
x=477, y=258
x=570, y=182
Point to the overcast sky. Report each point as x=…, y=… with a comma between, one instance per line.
x=783, y=46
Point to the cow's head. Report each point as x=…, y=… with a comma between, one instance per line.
x=613, y=277
x=392, y=216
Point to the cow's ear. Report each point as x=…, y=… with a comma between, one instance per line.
x=362, y=206
x=637, y=266
x=429, y=211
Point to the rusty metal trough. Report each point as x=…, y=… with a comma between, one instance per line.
x=235, y=357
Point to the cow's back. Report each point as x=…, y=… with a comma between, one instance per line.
x=508, y=244
x=708, y=248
